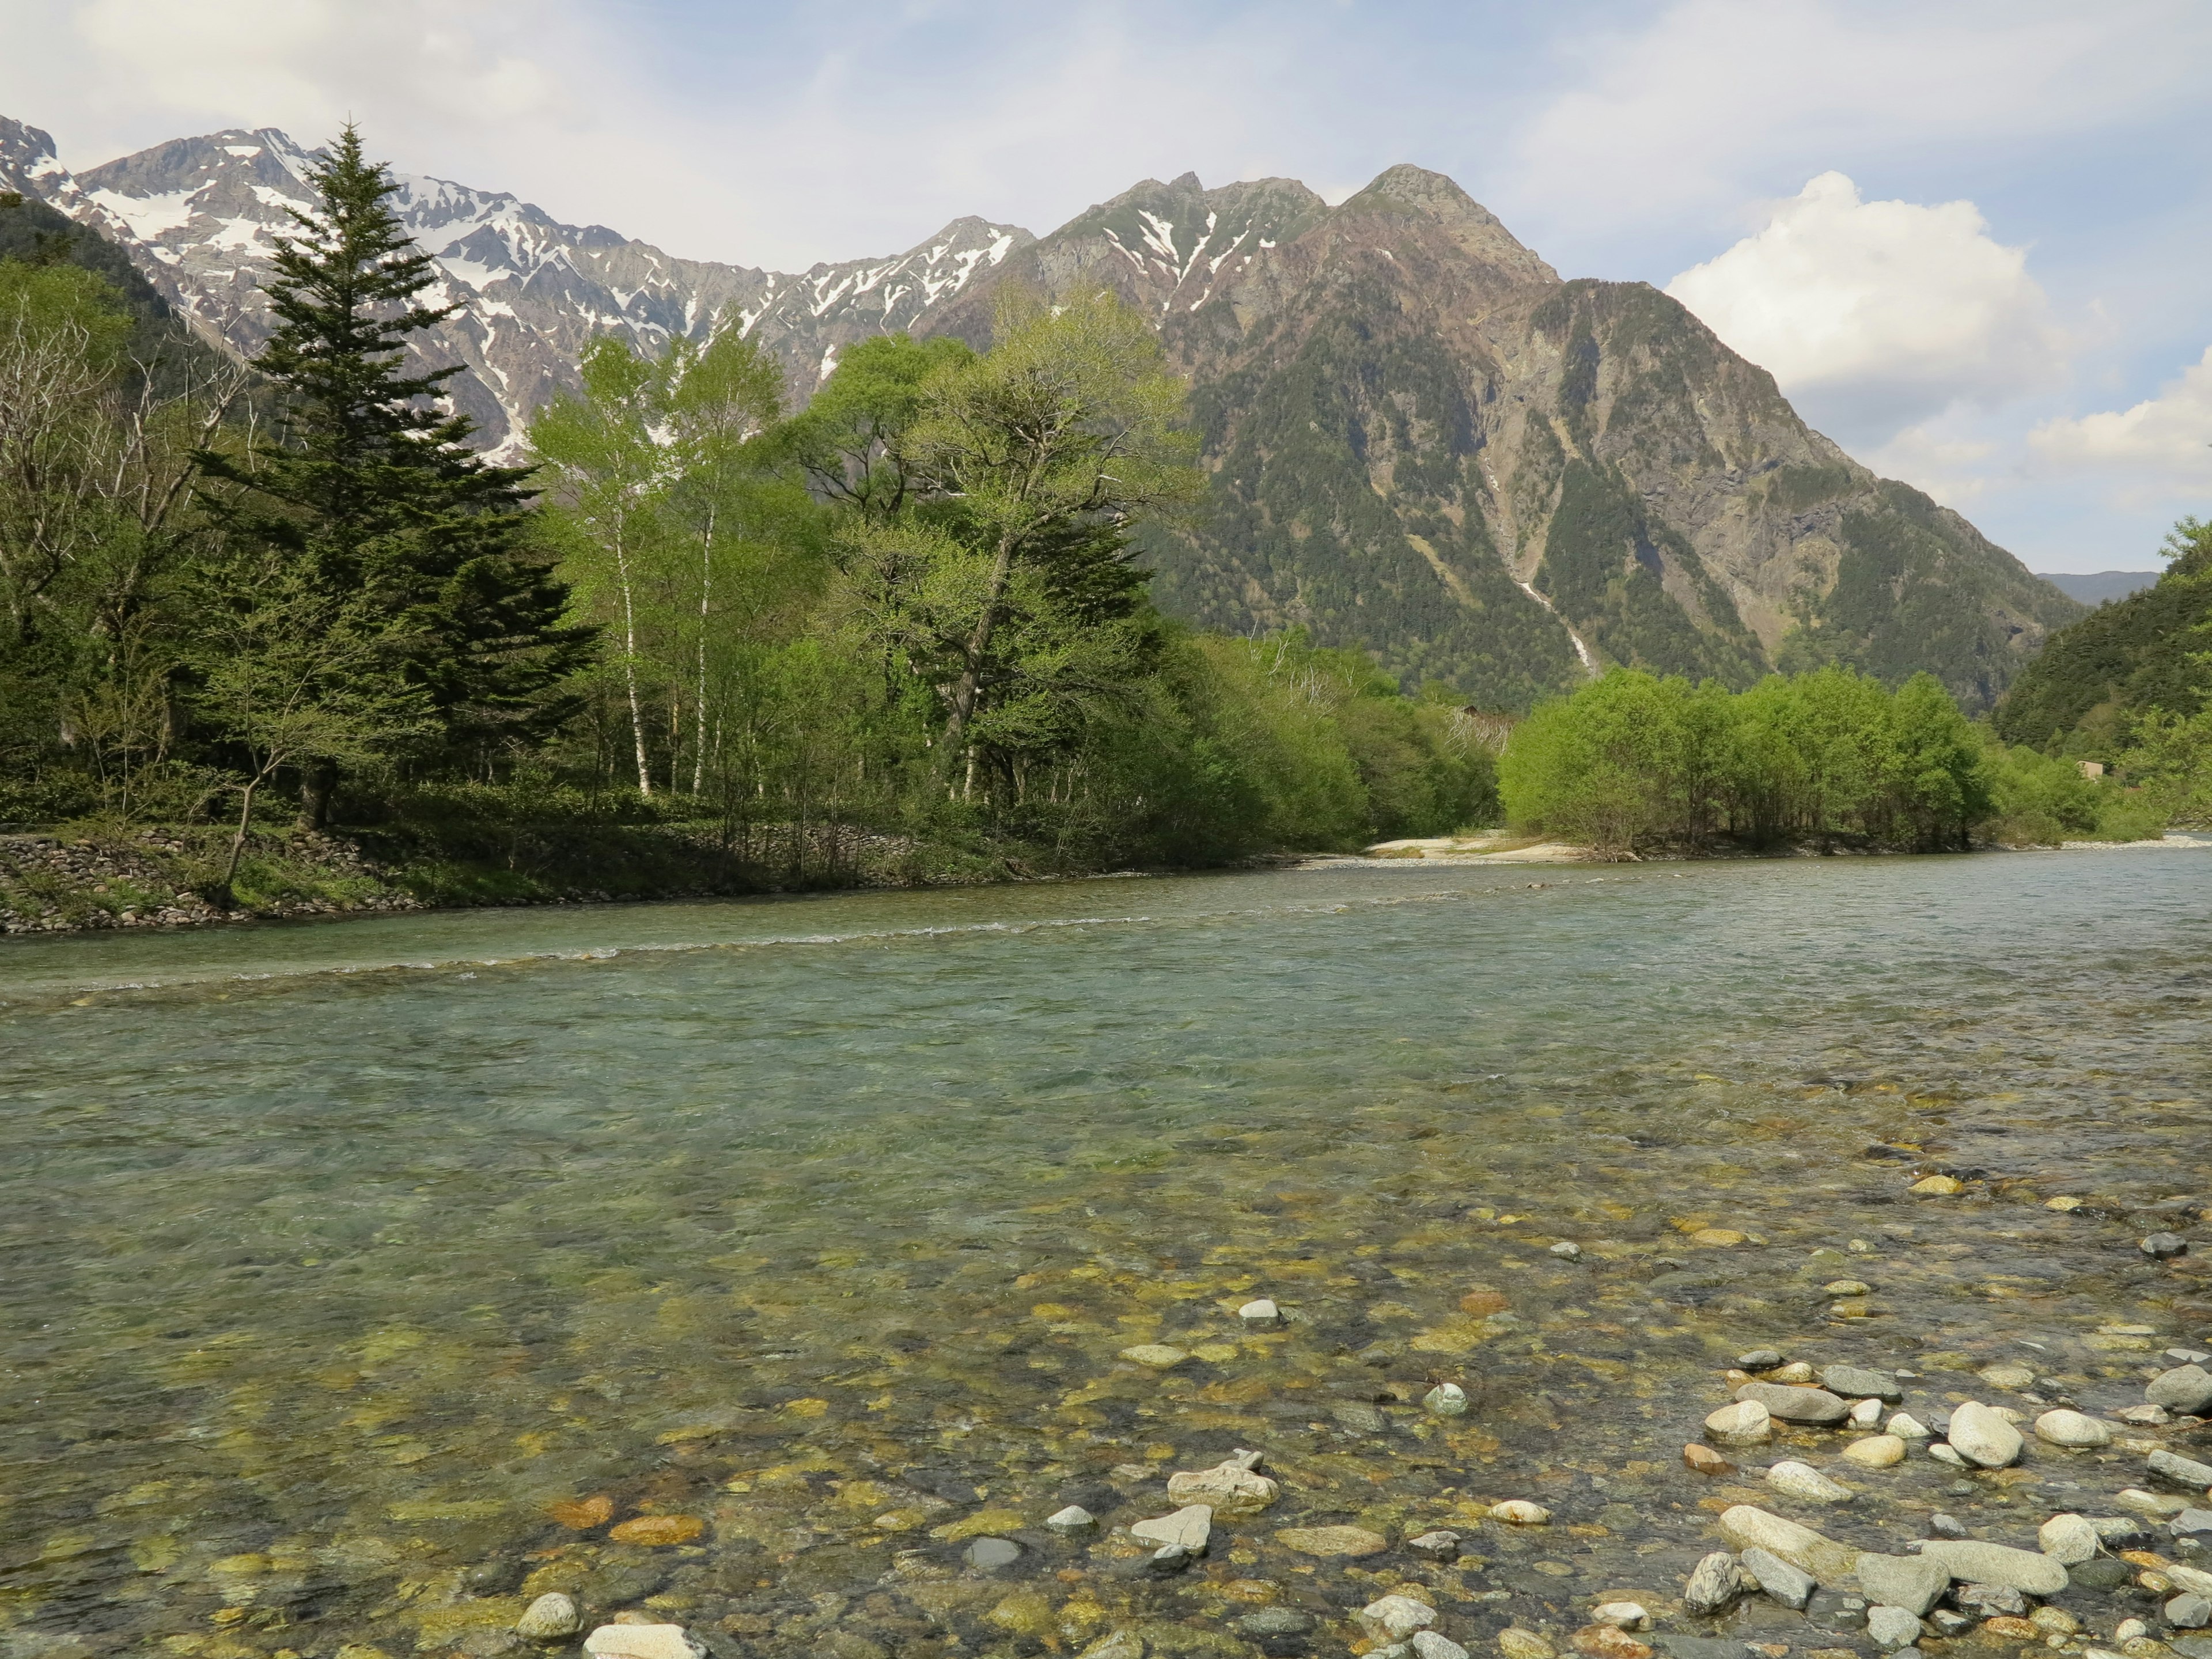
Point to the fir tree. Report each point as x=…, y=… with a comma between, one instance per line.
x=375, y=494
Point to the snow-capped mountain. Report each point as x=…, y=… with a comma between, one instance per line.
x=200, y=217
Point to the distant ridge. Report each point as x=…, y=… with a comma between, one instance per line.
x=2104, y=585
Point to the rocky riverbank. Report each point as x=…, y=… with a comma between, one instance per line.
x=88, y=879
x=2054, y=1500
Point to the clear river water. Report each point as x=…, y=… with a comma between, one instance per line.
x=737, y=1265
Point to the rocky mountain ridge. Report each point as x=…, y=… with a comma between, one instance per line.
x=1425, y=442
x=200, y=216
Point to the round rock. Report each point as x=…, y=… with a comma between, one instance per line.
x=1567, y=1250
x=2070, y=1428
x=1446, y=1400
x=1795, y=1404
x=2164, y=1247
x=2069, y=1538
x=1979, y=1434
x=1877, y=1451
x=1760, y=1359
x=1893, y=1627
x=548, y=1618
x=1747, y=1422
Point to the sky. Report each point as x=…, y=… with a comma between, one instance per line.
x=1969, y=239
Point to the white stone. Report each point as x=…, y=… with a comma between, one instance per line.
x=1446, y=1400
x=1747, y=1422
x=2069, y=1538
x=1973, y=1562
x=1866, y=1413
x=551, y=1617
x=1906, y=1426
x=1792, y=1587
x=2069, y=1428
x=1230, y=1487
x=1520, y=1512
x=1261, y=1315
x=1622, y=1615
x=1803, y=1480
x=2129, y=1628
x=1943, y=1453
x=1903, y=1581
x=1190, y=1527
x=1567, y=1251
x=1073, y=1518
x=1716, y=1582
x=1396, y=1617
x=1877, y=1451
x=2157, y=1505
x=1980, y=1434
x=1427, y=1644
x=644, y=1642
x=1747, y=1526
x=1893, y=1627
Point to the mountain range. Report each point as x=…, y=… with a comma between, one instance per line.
x=1424, y=442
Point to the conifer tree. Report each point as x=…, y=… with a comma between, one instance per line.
x=375, y=495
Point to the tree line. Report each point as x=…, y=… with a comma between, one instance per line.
x=1832, y=759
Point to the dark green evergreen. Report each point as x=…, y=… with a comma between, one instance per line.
x=373, y=490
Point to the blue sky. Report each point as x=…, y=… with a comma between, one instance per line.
x=1969, y=238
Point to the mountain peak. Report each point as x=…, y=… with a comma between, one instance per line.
x=1407, y=190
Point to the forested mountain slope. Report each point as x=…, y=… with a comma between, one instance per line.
x=2149, y=653
x=1424, y=442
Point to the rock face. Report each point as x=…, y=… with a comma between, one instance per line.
x=1747, y=1528
x=1979, y=1434
x=1974, y=1563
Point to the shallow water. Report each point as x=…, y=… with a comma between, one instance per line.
x=346, y=1263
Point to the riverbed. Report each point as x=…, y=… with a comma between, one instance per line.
x=737, y=1265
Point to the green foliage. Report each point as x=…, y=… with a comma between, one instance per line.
x=1631, y=762
x=2151, y=652
x=1916, y=588
x=374, y=492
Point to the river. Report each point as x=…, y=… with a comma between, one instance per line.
x=361, y=1276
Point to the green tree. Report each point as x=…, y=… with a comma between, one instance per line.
x=373, y=491
x=1040, y=453
x=295, y=675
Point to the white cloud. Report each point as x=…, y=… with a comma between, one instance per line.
x=2160, y=442
x=1880, y=313
x=1951, y=468
x=1697, y=109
